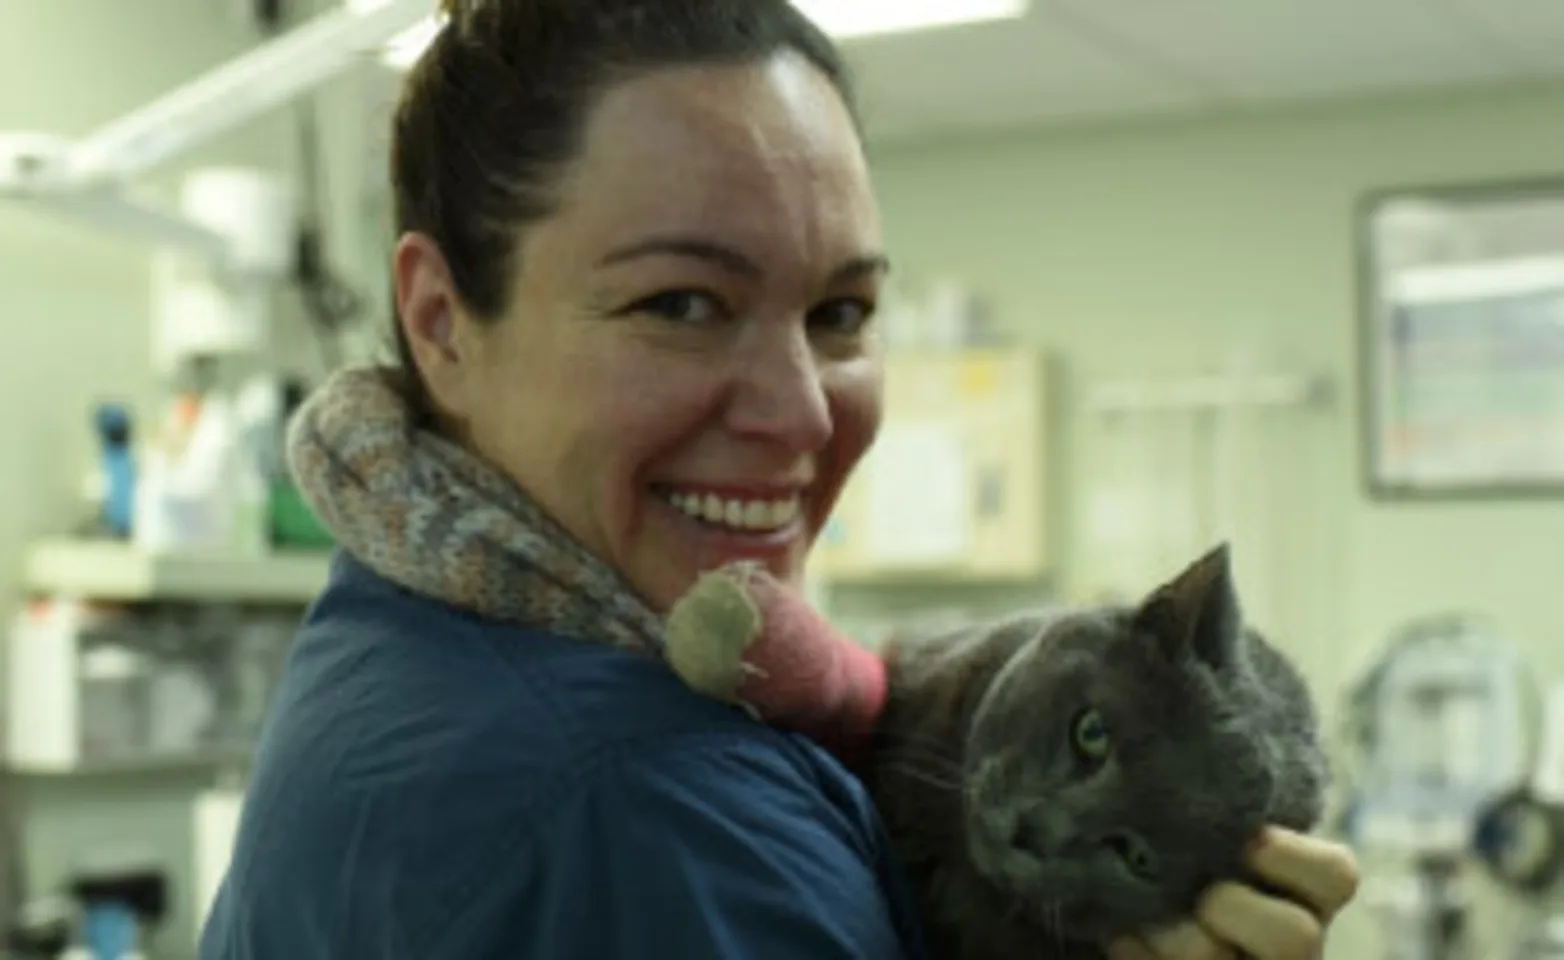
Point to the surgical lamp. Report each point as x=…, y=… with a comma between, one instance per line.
x=234, y=235
x=90, y=179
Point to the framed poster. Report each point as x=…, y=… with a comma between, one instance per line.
x=1462, y=341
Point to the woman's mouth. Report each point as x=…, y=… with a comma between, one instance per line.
x=733, y=513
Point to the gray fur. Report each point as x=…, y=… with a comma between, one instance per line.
x=1020, y=846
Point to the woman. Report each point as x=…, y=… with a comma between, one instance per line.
x=638, y=263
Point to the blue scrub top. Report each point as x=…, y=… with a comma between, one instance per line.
x=434, y=786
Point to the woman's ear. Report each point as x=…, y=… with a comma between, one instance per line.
x=431, y=317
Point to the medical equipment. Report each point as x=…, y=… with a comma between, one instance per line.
x=110, y=914
x=113, y=424
x=1520, y=834
x=120, y=906
x=1440, y=727
x=221, y=253
x=1520, y=839
x=232, y=237
x=89, y=179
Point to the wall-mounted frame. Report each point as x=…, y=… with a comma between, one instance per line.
x=1461, y=340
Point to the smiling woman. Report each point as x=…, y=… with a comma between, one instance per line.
x=635, y=280
x=688, y=327
x=635, y=283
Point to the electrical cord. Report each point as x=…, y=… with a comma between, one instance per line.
x=329, y=301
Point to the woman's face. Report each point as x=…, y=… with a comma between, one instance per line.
x=687, y=372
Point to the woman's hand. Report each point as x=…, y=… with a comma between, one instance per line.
x=1233, y=920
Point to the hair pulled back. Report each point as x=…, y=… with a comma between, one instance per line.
x=493, y=112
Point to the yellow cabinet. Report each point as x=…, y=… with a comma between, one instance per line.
x=956, y=487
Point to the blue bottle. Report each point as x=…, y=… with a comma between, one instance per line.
x=113, y=424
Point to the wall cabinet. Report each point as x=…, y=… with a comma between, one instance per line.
x=957, y=485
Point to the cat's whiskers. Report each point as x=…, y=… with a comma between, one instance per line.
x=906, y=768
x=929, y=761
x=1050, y=916
x=908, y=738
x=929, y=752
x=1014, y=913
x=935, y=765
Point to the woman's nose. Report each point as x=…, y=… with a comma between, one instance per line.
x=781, y=395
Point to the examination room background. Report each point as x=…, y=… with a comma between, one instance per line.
x=1123, y=248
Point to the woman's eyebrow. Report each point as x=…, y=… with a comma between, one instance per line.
x=729, y=258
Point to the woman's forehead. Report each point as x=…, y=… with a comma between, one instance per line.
x=783, y=102
x=727, y=149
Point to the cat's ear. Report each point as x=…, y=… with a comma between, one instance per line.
x=1196, y=613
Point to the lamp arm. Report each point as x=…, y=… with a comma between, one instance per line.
x=234, y=93
x=89, y=180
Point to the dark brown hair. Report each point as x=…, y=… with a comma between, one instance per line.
x=493, y=112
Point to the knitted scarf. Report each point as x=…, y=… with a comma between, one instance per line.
x=422, y=512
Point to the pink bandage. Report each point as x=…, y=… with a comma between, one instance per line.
x=808, y=676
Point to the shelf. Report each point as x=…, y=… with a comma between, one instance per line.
x=108, y=570
x=207, y=762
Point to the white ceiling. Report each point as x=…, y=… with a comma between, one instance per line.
x=1071, y=60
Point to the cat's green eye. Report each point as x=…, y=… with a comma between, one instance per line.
x=1089, y=735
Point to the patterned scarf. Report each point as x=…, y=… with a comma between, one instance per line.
x=424, y=513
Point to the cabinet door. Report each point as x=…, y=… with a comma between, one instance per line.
x=955, y=488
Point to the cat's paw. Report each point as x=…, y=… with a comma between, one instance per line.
x=710, y=630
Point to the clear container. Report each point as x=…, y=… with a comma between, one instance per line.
x=115, y=700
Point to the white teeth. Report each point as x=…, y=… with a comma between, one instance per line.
x=783, y=512
x=761, y=515
x=755, y=515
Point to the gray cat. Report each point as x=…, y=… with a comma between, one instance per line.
x=1052, y=783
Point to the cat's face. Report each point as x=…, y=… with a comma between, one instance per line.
x=1104, y=765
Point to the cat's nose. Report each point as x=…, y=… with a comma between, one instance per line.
x=1032, y=837
x=1132, y=851
x=1040, y=832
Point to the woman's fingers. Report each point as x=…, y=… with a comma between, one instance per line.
x=1259, y=926
x=1316, y=877
x=1323, y=876
x=1187, y=941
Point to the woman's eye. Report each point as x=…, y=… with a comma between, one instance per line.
x=682, y=306
x=1089, y=736
x=848, y=315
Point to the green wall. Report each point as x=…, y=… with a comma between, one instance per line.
x=1158, y=246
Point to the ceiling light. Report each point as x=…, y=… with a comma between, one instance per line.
x=406, y=47
x=845, y=19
